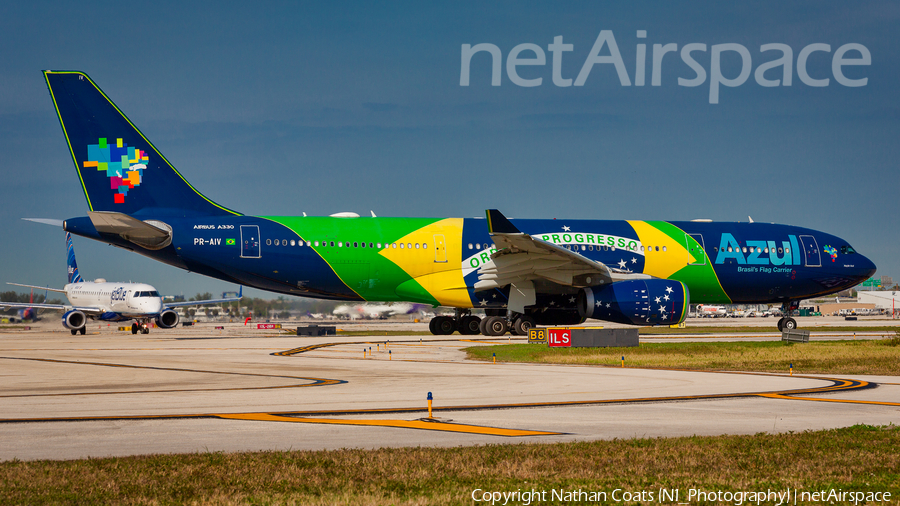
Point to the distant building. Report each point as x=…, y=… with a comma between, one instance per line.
x=883, y=300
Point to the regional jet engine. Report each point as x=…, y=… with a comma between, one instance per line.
x=74, y=320
x=167, y=319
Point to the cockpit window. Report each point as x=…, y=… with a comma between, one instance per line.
x=847, y=250
x=154, y=293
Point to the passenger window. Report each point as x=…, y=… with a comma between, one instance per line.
x=394, y=245
x=485, y=246
x=664, y=248
x=401, y=245
x=268, y=242
x=379, y=245
x=470, y=245
x=424, y=245
x=477, y=246
x=408, y=246
x=332, y=244
x=355, y=245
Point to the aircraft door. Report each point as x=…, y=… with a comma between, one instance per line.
x=810, y=251
x=440, y=248
x=696, y=249
x=250, y=241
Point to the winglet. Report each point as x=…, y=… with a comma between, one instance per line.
x=498, y=224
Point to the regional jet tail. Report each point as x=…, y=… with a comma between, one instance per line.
x=520, y=272
x=111, y=302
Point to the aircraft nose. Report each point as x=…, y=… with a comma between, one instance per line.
x=864, y=268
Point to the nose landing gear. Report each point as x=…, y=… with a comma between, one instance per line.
x=786, y=322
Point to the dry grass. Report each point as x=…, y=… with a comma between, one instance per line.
x=856, y=458
x=878, y=357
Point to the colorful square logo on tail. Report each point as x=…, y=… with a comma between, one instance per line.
x=124, y=165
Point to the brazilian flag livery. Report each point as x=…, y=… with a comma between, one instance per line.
x=643, y=272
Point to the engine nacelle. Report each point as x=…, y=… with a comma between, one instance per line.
x=637, y=302
x=167, y=319
x=74, y=320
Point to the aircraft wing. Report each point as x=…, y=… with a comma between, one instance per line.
x=58, y=290
x=521, y=259
x=62, y=307
x=210, y=301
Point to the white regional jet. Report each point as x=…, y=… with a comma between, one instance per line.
x=111, y=302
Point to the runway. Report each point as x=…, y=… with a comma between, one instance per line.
x=197, y=390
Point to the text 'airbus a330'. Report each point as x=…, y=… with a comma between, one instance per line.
x=521, y=272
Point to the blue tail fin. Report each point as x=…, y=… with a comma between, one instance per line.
x=74, y=277
x=120, y=170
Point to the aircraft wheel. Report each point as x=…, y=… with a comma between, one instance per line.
x=431, y=326
x=482, y=326
x=780, y=324
x=145, y=331
x=445, y=326
x=134, y=328
x=469, y=325
x=83, y=330
x=523, y=324
x=789, y=324
x=74, y=331
x=496, y=326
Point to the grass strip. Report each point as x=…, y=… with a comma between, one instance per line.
x=875, y=357
x=859, y=458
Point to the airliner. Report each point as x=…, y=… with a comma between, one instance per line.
x=111, y=302
x=521, y=272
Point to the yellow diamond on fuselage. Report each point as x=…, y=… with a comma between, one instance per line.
x=434, y=260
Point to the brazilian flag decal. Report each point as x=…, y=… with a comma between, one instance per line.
x=230, y=242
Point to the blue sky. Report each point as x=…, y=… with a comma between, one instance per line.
x=282, y=108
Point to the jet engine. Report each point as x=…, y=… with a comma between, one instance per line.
x=167, y=319
x=74, y=320
x=636, y=302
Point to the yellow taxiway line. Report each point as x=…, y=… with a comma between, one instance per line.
x=402, y=424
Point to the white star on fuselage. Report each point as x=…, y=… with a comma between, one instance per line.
x=668, y=289
x=666, y=297
x=633, y=260
x=657, y=300
x=483, y=302
x=566, y=229
x=621, y=264
x=571, y=299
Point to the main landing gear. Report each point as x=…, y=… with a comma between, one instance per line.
x=470, y=325
x=786, y=322
x=464, y=322
x=82, y=330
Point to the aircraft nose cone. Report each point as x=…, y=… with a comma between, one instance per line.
x=866, y=268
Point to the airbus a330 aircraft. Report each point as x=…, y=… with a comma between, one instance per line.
x=521, y=272
x=111, y=302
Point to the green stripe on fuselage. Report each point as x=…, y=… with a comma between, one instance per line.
x=701, y=279
x=363, y=269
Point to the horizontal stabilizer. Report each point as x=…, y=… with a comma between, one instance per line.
x=46, y=221
x=131, y=229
